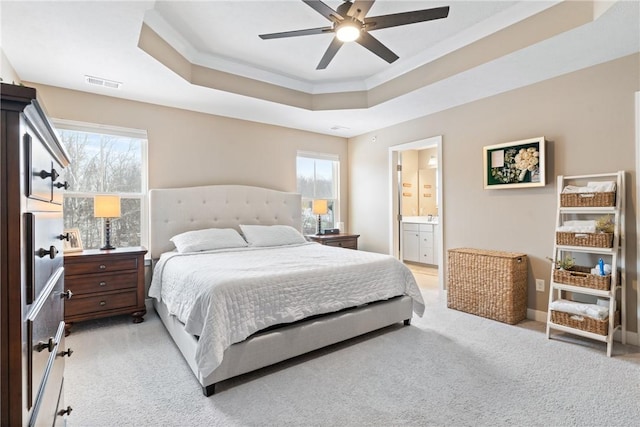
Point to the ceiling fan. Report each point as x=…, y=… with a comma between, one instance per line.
x=350, y=24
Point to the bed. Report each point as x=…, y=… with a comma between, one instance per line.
x=292, y=296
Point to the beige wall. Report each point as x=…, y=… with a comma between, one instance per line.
x=188, y=148
x=587, y=115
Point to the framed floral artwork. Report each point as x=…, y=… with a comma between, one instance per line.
x=515, y=164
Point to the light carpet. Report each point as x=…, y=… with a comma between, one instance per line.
x=447, y=369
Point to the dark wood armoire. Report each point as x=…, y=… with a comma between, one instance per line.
x=32, y=348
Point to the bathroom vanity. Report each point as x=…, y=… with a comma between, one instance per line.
x=419, y=240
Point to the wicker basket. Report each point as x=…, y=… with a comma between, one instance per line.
x=589, y=200
x=584, y=323
x=581, y=276
x=592, y=240
x=490, y=284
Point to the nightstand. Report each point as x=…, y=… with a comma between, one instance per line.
x=104, y=283
x=348, y=241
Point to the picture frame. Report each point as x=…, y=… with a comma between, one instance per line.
x=517, y=164
x=74, y=242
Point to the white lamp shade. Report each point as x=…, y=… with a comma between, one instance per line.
x=320, y=207
x=106, y=206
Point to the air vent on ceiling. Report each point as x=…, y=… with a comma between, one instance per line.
x=102, y=82
x=338, y=127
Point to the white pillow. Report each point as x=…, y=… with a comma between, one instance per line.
x=208, y=239
x=271, y=235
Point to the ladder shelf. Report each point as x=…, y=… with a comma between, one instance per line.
x=614, y=297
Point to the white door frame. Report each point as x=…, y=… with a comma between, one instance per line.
x=394, y=231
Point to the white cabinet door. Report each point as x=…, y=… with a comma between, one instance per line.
x=411, y=245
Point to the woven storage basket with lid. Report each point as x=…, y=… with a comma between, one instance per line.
x=487, y=283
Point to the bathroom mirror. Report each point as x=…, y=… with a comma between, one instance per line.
x=419, y=182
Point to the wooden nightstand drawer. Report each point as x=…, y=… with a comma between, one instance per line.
x=92, y=283
x=101, y=266
x=345, y=243
x=100, y=303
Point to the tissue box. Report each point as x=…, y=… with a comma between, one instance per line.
x=490, y=284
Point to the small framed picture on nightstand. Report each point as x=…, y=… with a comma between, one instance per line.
x=72, y=243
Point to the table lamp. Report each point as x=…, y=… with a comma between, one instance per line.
x=319, y=207
x=107, y=207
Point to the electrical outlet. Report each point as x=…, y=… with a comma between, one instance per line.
x=540, y=285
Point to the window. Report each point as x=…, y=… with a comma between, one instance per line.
x=105, y=160
x=318, y=178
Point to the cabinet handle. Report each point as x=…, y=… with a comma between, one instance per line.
x=103, y=303
x=66, y=353
x=102, y=284
x=61, y=185
x=102, y=267
x=52, y=252
x=65, y=411
x=64, y=236
x=68, y=294
x=53, y=174
x=49, y=345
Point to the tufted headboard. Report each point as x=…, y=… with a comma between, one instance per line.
x=176, y=210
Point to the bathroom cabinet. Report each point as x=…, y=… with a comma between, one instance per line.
x=419, y=242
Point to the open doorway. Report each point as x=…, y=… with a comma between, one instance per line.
x=407, y=192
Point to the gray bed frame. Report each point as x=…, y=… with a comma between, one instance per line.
x=176, y=210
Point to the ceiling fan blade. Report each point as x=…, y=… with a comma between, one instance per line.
x=329, y=54
x=323, y=10
x=360, y=8
x=374, y=45
x=404, y=18
x=296, y=33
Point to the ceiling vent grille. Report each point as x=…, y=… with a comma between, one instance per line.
x=102, y=82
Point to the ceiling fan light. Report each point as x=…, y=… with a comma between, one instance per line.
x=348, y=32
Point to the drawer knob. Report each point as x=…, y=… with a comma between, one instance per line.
x=64, y=236
x=67, y=411
x=102, y=267
x=103, y=303
x=102, y=284
x=68, y=294
x=66, y=353
x=61, y=185
x=49, y=345
x=52, y=252
x=53, y=174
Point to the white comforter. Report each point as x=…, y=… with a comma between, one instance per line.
x=224, y=296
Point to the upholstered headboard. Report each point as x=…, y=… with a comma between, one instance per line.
x=176, y=210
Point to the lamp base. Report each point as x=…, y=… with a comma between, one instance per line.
x=107, y=236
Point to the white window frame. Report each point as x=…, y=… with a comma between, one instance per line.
x=143, y=196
